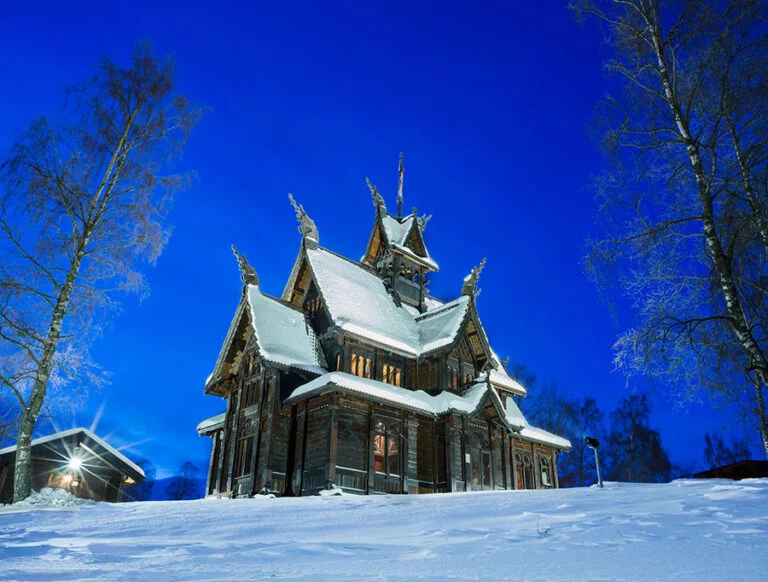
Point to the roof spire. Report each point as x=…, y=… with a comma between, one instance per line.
x=306, y=225
x=401, y=171
x=470, y=281
x=247, y=273
x=378, y=200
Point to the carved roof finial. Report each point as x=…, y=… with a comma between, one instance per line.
x=247, y=273
x=401, y=171
x=378, y=201
x=470, y=281
x=306, y=225
x=423, y=220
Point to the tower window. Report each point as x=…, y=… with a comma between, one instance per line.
x=392, y=375
x=361, y=366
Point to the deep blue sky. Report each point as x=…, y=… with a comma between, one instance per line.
x=491, y=103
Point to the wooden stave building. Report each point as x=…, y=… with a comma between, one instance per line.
x=320, y=405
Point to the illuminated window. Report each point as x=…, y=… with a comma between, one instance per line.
x=386, y=451
x=392, y=375
x=338, y=361
x=361, y=366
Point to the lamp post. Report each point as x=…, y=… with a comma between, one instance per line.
x=594, y=444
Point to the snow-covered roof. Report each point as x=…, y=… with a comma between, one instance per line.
x=359, y=303
x=515, y=416
x=420, y=401
x=282, y=333
x=427, y=261
x=439, y=326
x=540, y=435
x=210, y=424
x=86, y=433
x=417, y=400
x=396, y=231
x=501, y=379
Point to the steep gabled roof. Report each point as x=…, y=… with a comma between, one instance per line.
x=281, y=333
x=397, y=231
x=403, y=235
x=358, y=302
x=439, y=327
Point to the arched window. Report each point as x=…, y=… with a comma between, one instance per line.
x=546, y=473
x=386, y=450
x=528, y=473
x=480, y=459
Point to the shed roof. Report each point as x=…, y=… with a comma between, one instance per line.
x=211, y=424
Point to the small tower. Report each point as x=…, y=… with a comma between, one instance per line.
x=396, y=251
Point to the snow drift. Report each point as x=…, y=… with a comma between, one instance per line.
x=685, y=530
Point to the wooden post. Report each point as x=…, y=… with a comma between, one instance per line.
x=536, y=468
x=506, y=456
x=330, y=474
x=410, y=465
x=234, y=433
x=554, y=468
x=421, y=289
x=271, y=396
x=214, y=447
x=371, y=438
x=514, y=463
x=255, y=430
x=301, y=437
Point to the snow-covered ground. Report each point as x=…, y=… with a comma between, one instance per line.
x=685, y=530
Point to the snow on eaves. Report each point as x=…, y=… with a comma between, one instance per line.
x=540, y=435
x=420, y=401
x=419, y=259
x=397, y=235
x=282, y=333
x=210, y=424
x=417, y=400
x=73, y=431
x=438, y=327
x=359, y=303
x=413, y=399
x=500, y=378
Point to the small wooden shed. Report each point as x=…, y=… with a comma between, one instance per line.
x=76, y=460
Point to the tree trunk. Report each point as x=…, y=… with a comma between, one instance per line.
x=722, y=263
x=22, y=481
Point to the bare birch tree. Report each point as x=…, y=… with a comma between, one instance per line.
x=685, y=205
x=82, y=206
